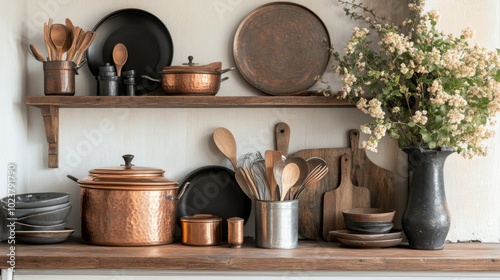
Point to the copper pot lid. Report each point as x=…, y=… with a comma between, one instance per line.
x=191, y=67
x=201, y=218
x=127, y=175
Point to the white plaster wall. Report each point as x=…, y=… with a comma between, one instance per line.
x=13, y=126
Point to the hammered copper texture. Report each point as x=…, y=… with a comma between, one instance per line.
x=127, y=218
x=191, y=83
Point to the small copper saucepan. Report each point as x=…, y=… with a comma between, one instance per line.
x=191, y=79
x=201, y=230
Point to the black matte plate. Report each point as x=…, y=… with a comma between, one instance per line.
x=147, y=39
x=214, y=190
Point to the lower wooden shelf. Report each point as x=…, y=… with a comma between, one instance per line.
x=309, y=256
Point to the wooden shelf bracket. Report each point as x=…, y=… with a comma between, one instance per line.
x=51, y=120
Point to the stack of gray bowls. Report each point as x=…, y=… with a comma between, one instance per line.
x=45, y=211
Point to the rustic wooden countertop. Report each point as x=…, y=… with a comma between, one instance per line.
x=309, y=256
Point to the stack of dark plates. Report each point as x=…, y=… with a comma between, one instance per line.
x=368, y=228
x=39, y=218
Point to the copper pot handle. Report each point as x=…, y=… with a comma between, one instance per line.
x=150, y=78
x=180, y=192
x=227, y=70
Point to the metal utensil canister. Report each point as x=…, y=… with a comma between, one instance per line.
x=59, y=77
x=276, y=224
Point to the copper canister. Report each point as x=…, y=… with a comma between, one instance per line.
x=201, y=230
x=235, y=226
x=127, y=206
x=59, y=77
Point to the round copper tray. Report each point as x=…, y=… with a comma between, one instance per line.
x=280, y=47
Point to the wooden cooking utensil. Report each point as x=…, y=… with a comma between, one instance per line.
x=36, y=53
x=344, y=197
x=69, y=24
x=304, y=170
x=58, y=35
x=51, y=50
x=120, y=56
x=282, y=137
x=367, y=174
x=89, y=37
x=311, y=198
x=224, y=140
x=76, y=34
x=271, y=157
x=289, y=177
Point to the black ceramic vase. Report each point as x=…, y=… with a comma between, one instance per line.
x=426, y=221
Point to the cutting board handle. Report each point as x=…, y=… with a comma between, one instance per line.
x=282, y=136
x=354, y=140
x=345, y=171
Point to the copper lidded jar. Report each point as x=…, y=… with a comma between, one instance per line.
x=127, y=206
x=201, y=230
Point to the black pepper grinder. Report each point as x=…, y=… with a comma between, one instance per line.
x=129, y=82
x=108, y=82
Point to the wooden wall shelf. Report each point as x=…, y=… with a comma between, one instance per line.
x=309, y=256
x=50, y=107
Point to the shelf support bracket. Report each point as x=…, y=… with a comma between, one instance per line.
x=51, y=120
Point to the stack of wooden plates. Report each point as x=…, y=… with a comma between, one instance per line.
x=367, y=240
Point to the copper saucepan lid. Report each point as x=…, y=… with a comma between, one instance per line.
x=127, y=176
x=191, y=67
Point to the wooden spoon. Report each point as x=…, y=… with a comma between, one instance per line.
x=224, y=140
x=304, y=170
x=120, y=56
x=58, y=35
x=289, y=177
x=36, y=53
x=69, y=24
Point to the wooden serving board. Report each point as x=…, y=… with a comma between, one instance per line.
x=311, y=199
x=367, y=174
x=344, y=197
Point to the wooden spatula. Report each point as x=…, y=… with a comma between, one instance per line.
x=271, y=157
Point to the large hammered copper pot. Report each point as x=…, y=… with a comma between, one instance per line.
x=191, y=79
x=127, y=206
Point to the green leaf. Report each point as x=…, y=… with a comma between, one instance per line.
x=411, y=124
x=425, y=136
x=432, y=145
x=394, y=135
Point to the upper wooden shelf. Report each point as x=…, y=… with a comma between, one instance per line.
x=50, y=107
x=308, y=256
x=185, y=101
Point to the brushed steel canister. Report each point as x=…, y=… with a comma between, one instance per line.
x=276, y=224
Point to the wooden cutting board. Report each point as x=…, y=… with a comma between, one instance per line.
x=344, y=197
x=311, y=199
x=367, y=174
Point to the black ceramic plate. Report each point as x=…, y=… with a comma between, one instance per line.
x=214, y=190
x=147, y=39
